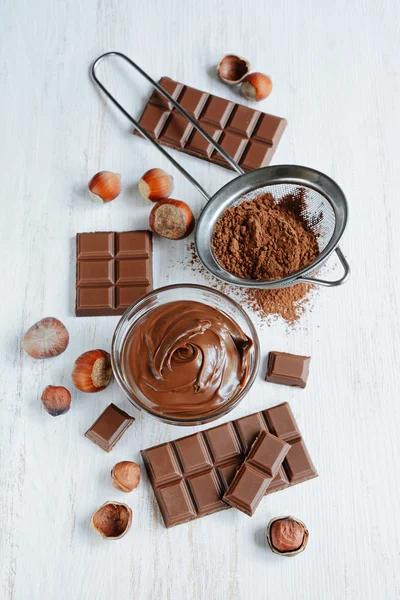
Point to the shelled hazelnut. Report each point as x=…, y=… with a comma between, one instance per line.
x=56, y=400
x=125, y=476
x=287, y=536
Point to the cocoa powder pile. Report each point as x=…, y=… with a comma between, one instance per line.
x=288, y=303
x=265, y=239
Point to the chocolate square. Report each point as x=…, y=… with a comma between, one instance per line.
x=288, y=369
x=109, y=427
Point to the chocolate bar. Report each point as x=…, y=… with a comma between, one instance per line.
x=113, y=270
x=109, y=427
x=249, y=136
x=260, y=466
x=191, y=475
x=288, y=369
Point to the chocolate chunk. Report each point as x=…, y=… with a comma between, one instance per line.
x=109, y=427
x=249, y=136
x=288, y=369
x=191, y=475
x=113, y=270
x=256, y=474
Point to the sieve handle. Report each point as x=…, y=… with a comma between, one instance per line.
x=344, y=278
x=177, y=106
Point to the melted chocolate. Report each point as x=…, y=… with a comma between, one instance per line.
x=187, y=359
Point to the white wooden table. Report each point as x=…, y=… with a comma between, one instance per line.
x=335, y=67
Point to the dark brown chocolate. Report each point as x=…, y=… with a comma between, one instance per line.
x=109, y=427
x=113, y=270
x=256, y=474
x=190, y=475
x=288, y=369
x=248, y=135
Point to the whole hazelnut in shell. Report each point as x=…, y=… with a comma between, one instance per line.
x=125, y=476
x=92, y=371
x=112, y=521
x=287, y=536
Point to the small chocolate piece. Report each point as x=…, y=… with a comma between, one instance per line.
x=109, y=427
x=288, y=369
x=190, y=475
x=256, y=473
x=248, y=135
x=113, y=270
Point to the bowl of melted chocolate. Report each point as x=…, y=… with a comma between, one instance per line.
x=185, y=354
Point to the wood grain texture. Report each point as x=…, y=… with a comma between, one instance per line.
x=335, y=67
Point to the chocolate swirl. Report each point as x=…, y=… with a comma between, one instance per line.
x=187, y=359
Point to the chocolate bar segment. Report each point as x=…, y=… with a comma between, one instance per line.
x=113, y=270
x=260, y=466
x=109, y=427
x=248, y=135
x=288, y=369
x=191, y=475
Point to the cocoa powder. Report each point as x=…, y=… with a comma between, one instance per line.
x=288, y=303
x=265, y=239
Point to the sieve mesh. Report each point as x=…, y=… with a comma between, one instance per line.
x=324, y=210
x=318, y=214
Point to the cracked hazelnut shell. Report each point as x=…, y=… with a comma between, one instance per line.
x=112, y=521
x=232, y=69
x=125, y=476
x=92, y=371
x=287, y=536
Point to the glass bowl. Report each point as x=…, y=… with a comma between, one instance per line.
x=171, y=293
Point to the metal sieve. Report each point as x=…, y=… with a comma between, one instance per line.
x=325, y=204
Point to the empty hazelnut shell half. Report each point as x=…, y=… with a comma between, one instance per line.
x=125, y=476
x=233, y=69
x=287, y=536
x=112, y=521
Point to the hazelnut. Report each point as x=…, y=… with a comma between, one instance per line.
x=46, y=338
x=171, y=219
x=56, y=400
x=125, y=476
x=287, y=536
x=112, y=521
x=232, y=69
x=105, y=186
x=156, y=185
x=92, y=371
x=256, y=86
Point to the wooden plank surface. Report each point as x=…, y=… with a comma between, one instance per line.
x=335, y=67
